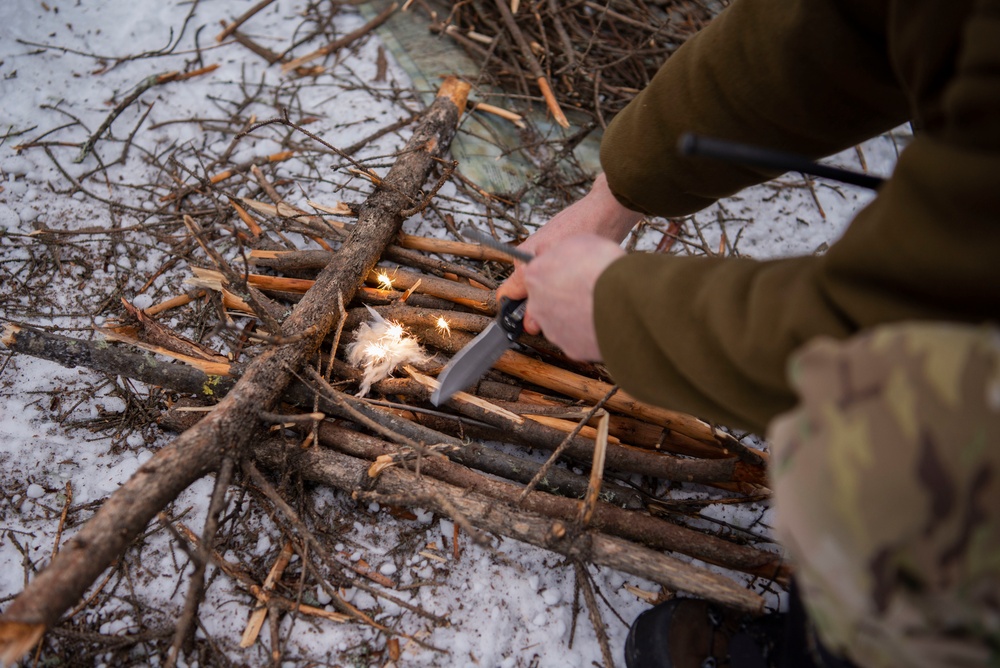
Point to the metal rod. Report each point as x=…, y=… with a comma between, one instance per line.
x=746, y=154
x=488, y=241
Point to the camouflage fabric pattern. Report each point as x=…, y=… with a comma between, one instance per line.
x=887, y=493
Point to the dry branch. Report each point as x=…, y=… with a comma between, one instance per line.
x=599, y=54
x=135, y=94
x=511, y=116
x=256, y=621
x=297, y=261
x=101, y=357
x=619, y=457
x=699, y=438
x=267, y=54
x=529, y=57
x=231, y=427
x=244, y=17
x=152, y=333
x=263, y=594
x=284, y=210
x=609, y=516
x=347, y=39
x=583, y=582
x=486, y=514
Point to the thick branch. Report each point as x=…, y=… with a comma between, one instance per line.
x=115, y=360
x=699, y=438
x=234, y=423
x=98, y=356
x=349, y=474
x=631, y=524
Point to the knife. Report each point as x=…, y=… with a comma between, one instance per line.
x=472, y=361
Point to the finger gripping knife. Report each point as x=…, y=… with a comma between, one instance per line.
x=475, y=359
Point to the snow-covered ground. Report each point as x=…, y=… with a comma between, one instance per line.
x=64, y=64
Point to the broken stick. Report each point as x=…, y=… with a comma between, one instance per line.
x=536, y=69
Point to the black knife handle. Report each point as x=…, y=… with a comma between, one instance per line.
x=511, y=317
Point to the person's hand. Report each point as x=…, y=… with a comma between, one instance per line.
x=597, y=212
x=560, y=288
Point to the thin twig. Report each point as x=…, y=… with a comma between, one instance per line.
x=583, y=582
x=244, y=17
x=196, y=583
x=567, y=441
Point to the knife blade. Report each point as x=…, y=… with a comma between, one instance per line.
x=475, y=359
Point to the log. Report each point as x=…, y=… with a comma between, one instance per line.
x=317, y=259
x=478, y=299
x=412, y=316
x=702, y=439
x=619, y=457
x=314, y=260
x=347, y=39
x=350, y=474
x=235, y=421
x=99, y=356
x=626, y=429
x=472, y=454
x=633, y=524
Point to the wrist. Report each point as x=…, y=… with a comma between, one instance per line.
x=616, y=219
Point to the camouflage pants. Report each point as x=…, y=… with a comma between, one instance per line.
x=887, y=493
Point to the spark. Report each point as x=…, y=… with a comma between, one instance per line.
x=387, y=344
x=384, y=282
x=375, y=352
x=395, y=333
x=442, y=325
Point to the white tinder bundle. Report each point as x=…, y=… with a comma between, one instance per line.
x=379, y=347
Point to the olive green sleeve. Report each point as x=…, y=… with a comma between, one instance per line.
x=712, y=336
x=809, y=76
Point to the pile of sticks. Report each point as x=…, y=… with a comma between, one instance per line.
x=588, y=55
x=284, y=400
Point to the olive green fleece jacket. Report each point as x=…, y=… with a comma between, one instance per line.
x=712, y=336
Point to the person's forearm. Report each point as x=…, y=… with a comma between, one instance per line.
x=613, y=220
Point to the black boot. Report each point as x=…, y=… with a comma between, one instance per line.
x=693, y=633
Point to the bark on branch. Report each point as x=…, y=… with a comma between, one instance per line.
x=633, y=524
x=484, y=512
x=235, y=422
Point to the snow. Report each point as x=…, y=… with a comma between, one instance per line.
x=63, y=66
